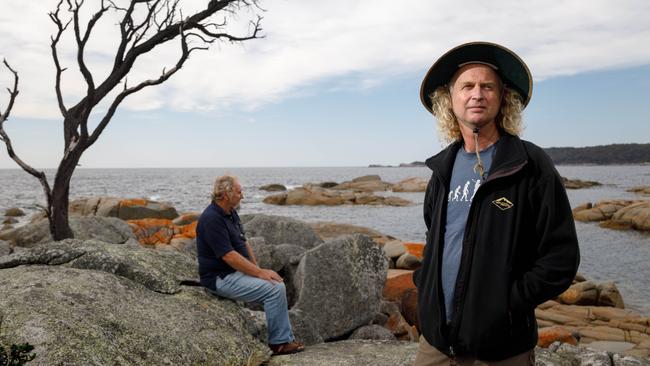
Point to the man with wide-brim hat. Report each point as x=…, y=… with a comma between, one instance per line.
x=501, y=237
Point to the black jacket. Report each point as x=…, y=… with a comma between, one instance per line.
x=519, y=250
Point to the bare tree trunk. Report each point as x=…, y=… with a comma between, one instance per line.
x=59, y=224
x=58, y=210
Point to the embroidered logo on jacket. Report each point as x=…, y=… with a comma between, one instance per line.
x=503, y=203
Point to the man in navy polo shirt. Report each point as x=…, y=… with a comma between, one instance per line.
x=228, y=267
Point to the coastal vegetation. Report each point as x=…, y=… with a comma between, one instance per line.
x=18, y=355
x=15, y=354
x=613, y=154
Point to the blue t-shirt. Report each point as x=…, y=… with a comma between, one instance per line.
x=217, y=233
x=462, y=188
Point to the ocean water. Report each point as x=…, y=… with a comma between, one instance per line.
x=607, y=255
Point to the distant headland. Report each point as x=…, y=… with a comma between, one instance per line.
x=614, y=154
x=402, y=165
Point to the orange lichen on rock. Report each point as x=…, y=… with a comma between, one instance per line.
x=417, y=249
x=396, y=286
x=186, y=231
x=555, y=334
x=159, y=237
x=151, y=222
x=161, y=231
x=152, y=231
x=133, y=202
x=397, y=324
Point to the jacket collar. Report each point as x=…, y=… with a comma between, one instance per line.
x=442, y=163
x=510, y=156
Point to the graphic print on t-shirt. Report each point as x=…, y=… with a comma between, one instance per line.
x=461, y=194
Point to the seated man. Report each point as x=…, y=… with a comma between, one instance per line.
x=228, y=267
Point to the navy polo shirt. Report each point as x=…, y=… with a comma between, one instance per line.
x=217, y=233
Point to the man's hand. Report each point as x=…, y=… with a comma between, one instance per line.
x=269, y=275
x=241, y=264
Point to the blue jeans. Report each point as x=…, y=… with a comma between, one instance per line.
x=242, y=287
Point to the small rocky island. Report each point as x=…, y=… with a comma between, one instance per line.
x=358, y=191
x=618, y=214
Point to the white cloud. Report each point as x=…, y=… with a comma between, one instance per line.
x=309, y=41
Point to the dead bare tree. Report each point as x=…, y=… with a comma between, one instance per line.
x=157, y=22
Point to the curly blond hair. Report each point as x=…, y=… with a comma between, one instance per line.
x=508, y=119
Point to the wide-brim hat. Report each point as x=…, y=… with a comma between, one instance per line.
x=511, y=69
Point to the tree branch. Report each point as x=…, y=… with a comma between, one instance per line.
x=256, y=29
x=128, y=29
x=135, y=41
x=124, y=33
x=170, y=12
x=82, y=40
x=69, y=123
x=143, y=28
x=81, y=44
x=160, y=37
x=55, y=40
x=13, y=93
x=186, y=51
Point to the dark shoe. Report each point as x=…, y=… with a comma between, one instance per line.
x=287, y=348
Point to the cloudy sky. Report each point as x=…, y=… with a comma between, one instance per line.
x=332, y=83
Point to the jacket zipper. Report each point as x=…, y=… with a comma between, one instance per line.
x=452, y=357
x=468, y=247
x=463, y=273
x=438, y=255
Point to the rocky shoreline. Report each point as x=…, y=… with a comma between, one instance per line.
x=613, y=214
x=126, y=290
